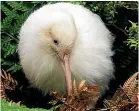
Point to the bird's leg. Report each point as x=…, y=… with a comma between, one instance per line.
x=66, y=67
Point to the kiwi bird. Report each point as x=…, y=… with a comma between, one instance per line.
x=65, y=28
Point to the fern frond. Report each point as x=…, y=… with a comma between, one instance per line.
x=6, y=23
x=10, y=50
x=6, y=10
x=18, y=6
x=18, y=23
x=75, y=88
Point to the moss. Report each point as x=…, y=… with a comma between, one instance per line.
x=15, y=107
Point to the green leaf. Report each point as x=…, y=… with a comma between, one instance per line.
x=14, y=68
x=18, y=6
x=6, y=23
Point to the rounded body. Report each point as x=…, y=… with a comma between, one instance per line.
x=90, y=57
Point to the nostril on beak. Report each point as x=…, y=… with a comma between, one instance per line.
x=63, y=52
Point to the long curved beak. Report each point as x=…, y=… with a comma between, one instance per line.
x=66, y=68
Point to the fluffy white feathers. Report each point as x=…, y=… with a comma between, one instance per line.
x=76, y=27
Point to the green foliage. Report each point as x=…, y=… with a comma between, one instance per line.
x=13, y=16
x=5, y=106
x=132, y=40
x=15, y=13
x=10, y=26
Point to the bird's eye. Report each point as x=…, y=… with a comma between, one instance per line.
x=56, y=42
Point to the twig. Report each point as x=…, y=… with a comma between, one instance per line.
x=97, y=109
x=132, y=8
x=70, y=106
x=117, y=28
x=10, y=36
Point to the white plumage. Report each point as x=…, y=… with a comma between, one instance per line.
x=56, y=27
